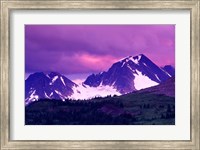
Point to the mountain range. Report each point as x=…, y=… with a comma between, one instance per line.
x=130, y=74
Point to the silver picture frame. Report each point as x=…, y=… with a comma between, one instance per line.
x=6, y=6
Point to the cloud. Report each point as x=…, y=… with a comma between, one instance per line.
x=92, y=48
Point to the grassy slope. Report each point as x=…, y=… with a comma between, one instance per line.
x=131, y=109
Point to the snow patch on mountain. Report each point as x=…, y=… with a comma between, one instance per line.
x=170, y=70
x=62, y=81
x=145, y=64
x=63, y=97
x=142, y=81
x=123, y=64
x=136, y=61
x=46, y=95
x=130, y=68
x=53, y=80
x=83, y=91
x=51, y=94
x=48, y=76
x=33, y=97
x=157, y=77
x=166, y=72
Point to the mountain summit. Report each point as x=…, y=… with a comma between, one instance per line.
x=52, y=86
x=130, y=74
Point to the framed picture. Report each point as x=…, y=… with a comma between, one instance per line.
x=100, y=75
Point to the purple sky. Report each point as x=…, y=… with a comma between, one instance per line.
x=83, y=49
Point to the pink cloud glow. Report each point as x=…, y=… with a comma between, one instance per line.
x=76, y=49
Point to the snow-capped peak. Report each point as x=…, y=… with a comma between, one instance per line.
x=52, y=85
x=134, y=59
x=129, y=74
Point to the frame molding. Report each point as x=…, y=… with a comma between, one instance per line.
x=6, y=6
